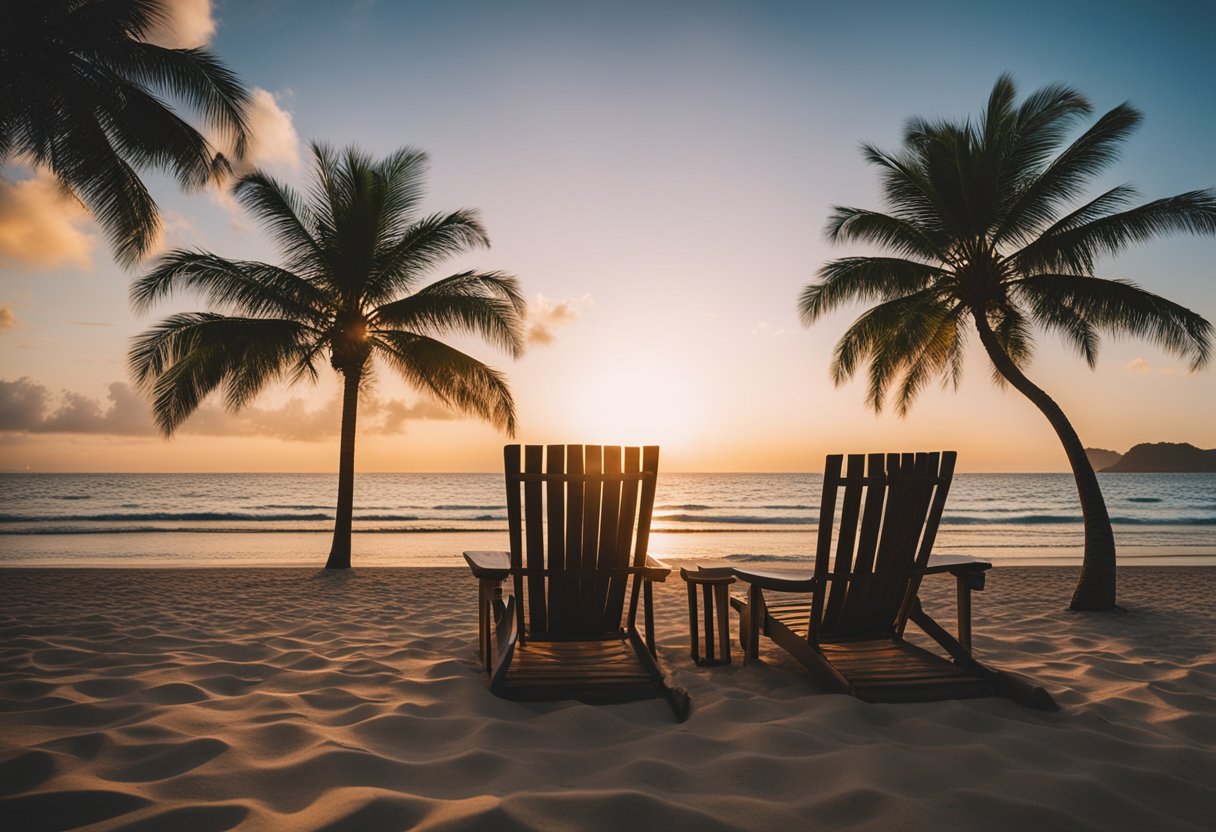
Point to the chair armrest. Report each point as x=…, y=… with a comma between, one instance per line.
x=968, y=571
x=956, y=564
x=655, y=570
x=489, y=566
x=779, y=580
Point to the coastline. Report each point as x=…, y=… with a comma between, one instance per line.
x=287, y=698
x=431, y=549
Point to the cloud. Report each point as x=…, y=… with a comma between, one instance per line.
x=764, y=330
x=29, y=407
x=273, y=143
x=187, y=24
x=1141, y=366
x=41, y=225
x=274, y=138
x=545, y=315
x=7, y=319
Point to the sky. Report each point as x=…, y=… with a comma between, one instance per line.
x=658, y=176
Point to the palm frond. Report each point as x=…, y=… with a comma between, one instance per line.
x=1038, y=201
x=244, y=287
x=191, y=75
x=488, y=304
x=289, y=219
x=399, y=262
x=848, y=225
x=939, y=354
x=852, y=279
x=454, y=378
x=886, y=336
x=908, y=194
x=1122, y=307
x=1038, y=128
x=403, y=174
x=89, y=166
x=188, y=356
x=1076, y=249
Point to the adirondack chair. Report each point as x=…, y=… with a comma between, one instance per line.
x=558, y=633
x=850, y=632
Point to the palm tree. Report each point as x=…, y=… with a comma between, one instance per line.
x=984, y=229
x=80, y=95
x=354, y=254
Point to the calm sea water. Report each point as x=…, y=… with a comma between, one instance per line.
x=429, y=519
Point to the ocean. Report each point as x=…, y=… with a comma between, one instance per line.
x=429, y=519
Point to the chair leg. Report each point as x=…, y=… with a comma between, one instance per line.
x=707, y=596
x=720, y=593
x=964, y=614
x=755, y=614
x=648, y=600
x=693, y=626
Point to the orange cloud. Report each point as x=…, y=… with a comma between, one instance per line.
x=1141, y=366
x=29, y=407
x=545, y=315
x=41, y=225
x=273, y=142
x=187, y=24
x=8, y=320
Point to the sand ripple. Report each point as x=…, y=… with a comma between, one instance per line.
x=207, y=700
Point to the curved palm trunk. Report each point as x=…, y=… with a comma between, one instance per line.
x=339, y=551
x=1096, y=586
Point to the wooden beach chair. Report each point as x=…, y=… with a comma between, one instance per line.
x=578, y=537
x=849, y=632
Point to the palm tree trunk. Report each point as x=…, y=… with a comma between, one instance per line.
x=1096, y=587
x=339, y=551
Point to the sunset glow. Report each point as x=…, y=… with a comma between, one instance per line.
x=658, y=180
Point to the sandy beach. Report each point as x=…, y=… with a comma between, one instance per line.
x=260, y=699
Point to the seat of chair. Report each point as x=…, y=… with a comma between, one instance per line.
x=607, y=670
x=884, y=668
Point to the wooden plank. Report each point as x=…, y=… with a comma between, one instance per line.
x=867, y=542
x=567, y=477
x=593, y=463
x=846, y=540
x=515, y=525
x=555, y=508
x=574, y=530
x=907, y=501
x=534, y=531
x=592, y=616
x=694, y=639
x=650, y=466
x=823, y=548
x=624, y=539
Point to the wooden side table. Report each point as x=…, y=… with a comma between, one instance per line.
x=714, y=591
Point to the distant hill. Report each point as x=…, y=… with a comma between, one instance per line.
x=1101, y=458
x=1157, y=458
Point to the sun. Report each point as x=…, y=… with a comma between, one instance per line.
x=636, y=402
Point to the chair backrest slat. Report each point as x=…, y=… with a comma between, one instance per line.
x=624, y=538
x=591, y=614
x=593, y=489
x=900, y=510
x=534, y=535
x=555, y=510
x=515, y=526
x=846, y=539
x=597, y=504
